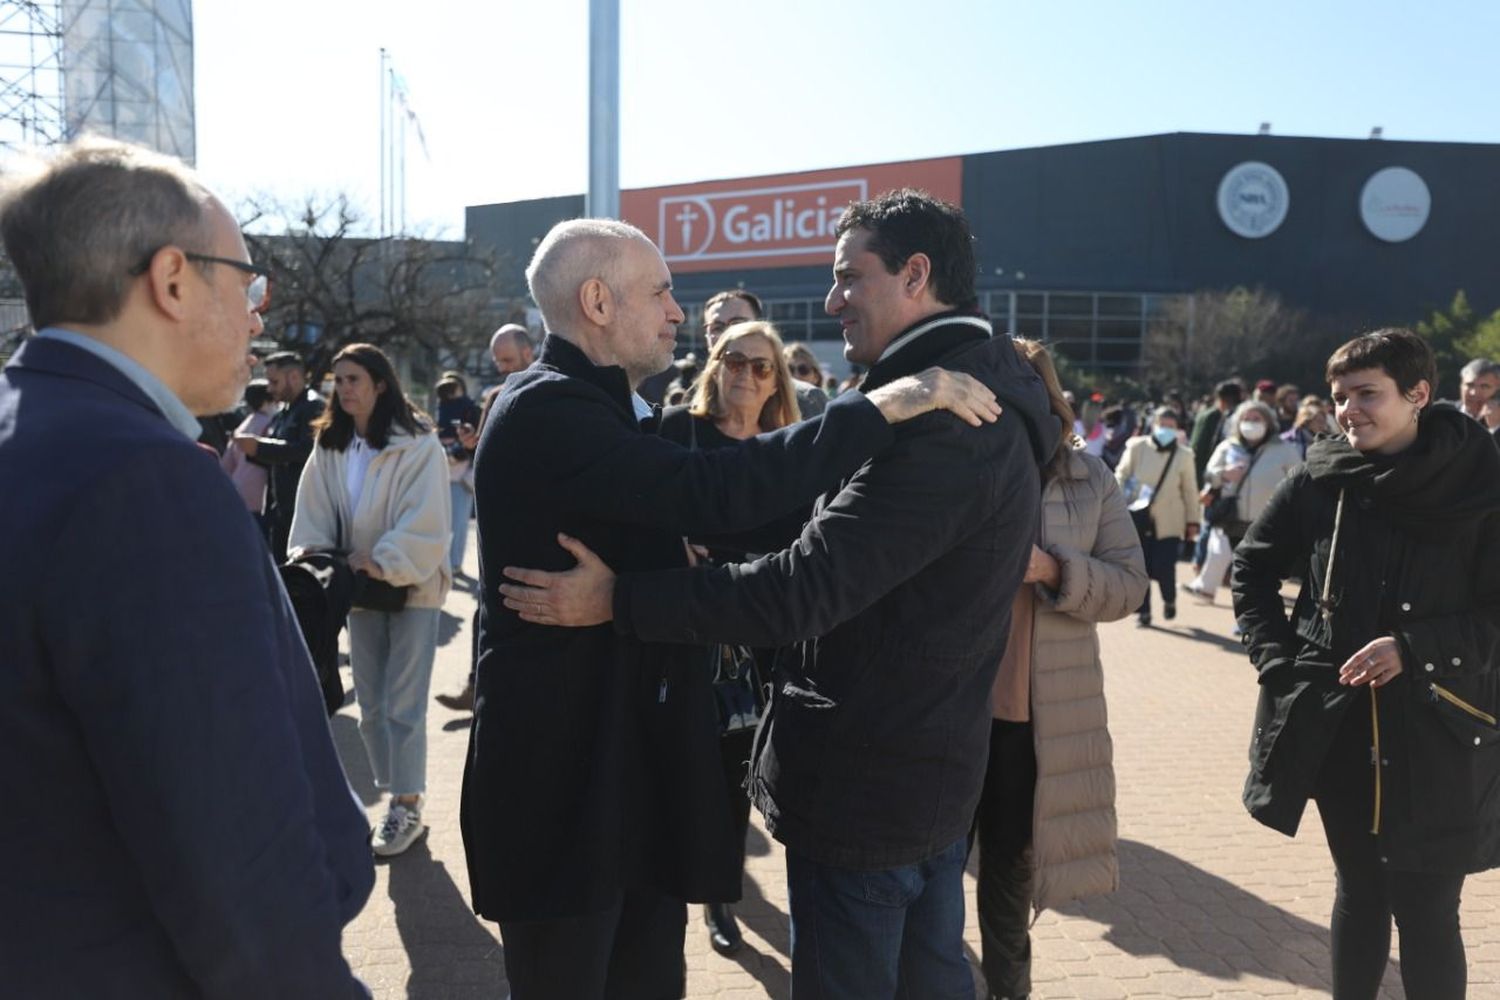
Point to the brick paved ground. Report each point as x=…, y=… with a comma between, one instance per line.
x=1211, y=904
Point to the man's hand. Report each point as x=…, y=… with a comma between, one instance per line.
x=937, y=389
x=247, y=443
x=583, y=595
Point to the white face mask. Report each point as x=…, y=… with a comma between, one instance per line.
x=1165, y=435
x=1252, y=430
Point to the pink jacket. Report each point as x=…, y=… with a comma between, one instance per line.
x=248, y=478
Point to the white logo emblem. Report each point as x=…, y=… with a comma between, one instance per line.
x=1253, y=200
x=782, y=221
x=1395, y=204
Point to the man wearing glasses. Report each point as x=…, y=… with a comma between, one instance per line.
x=189, y=830
x=735, y=305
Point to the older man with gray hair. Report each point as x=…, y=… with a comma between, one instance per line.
x=593, y=802
x=1479, y=380
x=188, y=828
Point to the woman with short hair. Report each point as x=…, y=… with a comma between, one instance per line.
x=1379, y=696
x=376, y=488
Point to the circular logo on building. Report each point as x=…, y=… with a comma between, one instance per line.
x=1253, y=200
x=1395, y=204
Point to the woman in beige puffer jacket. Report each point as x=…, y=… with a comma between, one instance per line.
x=1045, y=826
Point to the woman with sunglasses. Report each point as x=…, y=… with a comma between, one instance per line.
x=1379, y=695
x=746, y=389
x=807, y=378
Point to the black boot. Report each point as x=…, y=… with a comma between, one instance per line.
x=723, y=931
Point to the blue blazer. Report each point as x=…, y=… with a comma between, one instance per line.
x=179, y=823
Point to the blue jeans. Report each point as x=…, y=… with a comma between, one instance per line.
x=463, y=502
x=879, y=935
x=390, y=655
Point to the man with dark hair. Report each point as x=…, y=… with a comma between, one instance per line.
x=1478, y=381
x=871, y=760
x=594, y=802
x=1209, y=425
x=188, y=829
x=284, y=447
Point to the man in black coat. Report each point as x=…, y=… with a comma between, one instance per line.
x=871, y=760
x=284, y=448
x=593, y=801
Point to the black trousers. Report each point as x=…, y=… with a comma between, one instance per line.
x=1161, y=566
x=734, y=756
x=1368, y=893
x=630, y=951
x=1003, y=832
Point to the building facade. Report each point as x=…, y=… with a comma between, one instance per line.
x=1082, y=245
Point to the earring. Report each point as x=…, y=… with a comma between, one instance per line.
x=1415, y=414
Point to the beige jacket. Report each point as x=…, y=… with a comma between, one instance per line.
x=1275, y=459
x=404, y=519
x=1177, y=504
x=1087, y=529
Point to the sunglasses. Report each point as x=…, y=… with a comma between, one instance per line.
x=737, y=362
x=803, y=370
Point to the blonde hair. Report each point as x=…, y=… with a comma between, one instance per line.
x=1034, y=353
x=780, y=410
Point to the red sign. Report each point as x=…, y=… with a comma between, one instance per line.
x=781, y=221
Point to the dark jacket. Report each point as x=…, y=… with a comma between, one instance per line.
x=874, y=750
x=1206, y=437
x=593, y=762
x=1417, y=556
x=283, y=450
x=187, y=830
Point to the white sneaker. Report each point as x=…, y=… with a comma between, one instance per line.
x=402, y=828
x=1196, y=589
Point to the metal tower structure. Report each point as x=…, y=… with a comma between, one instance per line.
x=31, y=82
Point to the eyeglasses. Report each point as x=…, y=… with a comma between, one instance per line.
x=737, y=362
x=803, y=370
x=257, y=293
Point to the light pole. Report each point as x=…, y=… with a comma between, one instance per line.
x=603, y=201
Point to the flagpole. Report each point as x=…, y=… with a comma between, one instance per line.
x=382, y=141
x=603, y=200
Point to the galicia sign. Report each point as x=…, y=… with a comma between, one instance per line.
x=1395, y=204
x=1253, y=200
x=772, y=221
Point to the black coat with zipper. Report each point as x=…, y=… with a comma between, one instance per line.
x=593, y=761
x=874, y=750
x=1416, y=556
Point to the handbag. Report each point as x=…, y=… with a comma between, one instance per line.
x=1223, y=507
x=370, y=594
x=1145, y=526
x=737, y=692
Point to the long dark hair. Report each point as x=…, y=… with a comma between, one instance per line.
x=335, y=428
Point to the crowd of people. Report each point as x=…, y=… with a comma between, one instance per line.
x=740, y=599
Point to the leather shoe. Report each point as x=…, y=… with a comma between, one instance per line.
x=723, y=932
x=461, y=702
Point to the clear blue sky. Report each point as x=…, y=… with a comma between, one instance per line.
x=287, y=90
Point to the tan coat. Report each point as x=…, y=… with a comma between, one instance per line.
x=1087, y=529
x=1176, y=505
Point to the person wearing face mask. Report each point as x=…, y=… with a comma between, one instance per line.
x=1156, y=473
x=1242, y=473
x=1379, y=696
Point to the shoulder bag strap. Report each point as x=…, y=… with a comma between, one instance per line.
x=1163, y=477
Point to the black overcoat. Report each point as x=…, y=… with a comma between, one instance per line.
x=593, y=761
x=1417, y=558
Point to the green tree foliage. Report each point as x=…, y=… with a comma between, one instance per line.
x=1458, y=334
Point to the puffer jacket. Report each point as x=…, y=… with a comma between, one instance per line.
x=1176, y=504
x=1271, y=463
x=1087, y=529
x=404, y=518
x=1407, y=547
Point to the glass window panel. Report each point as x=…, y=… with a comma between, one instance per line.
x=1119, y=305
x=1071, y=305
x=1030, y=305
x=1074, y=350
x=1030, y=327
x=825, y=329
x=1070, y=329
x=783, y=311
x=1119, y=329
